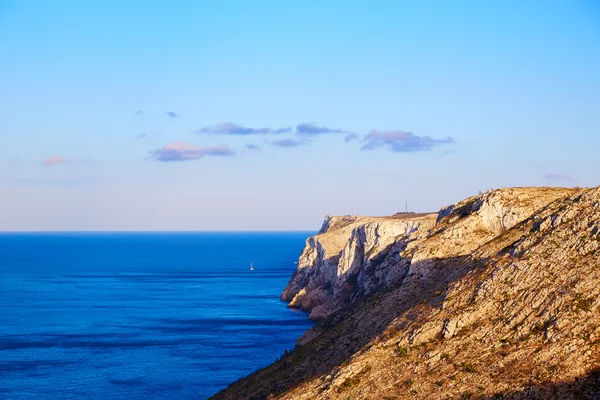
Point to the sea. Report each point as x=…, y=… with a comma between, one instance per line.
x=142, y=315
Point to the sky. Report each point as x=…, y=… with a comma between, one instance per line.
x=269, y=115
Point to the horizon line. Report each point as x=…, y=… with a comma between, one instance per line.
x=161, y=231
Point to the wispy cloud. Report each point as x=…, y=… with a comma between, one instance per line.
x=558, y=177
x=181, y=151
x=172, y=114
x=146, y=136
x=310, y=128
x=286, y=143
x=54, y=160
x=251, y=146
x=50, y=182
x=395, y=140
x=230, y=128
x=401, y=141
x=350, y=137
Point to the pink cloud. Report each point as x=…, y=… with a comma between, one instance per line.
x=54, y=160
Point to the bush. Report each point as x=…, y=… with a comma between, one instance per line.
x=401, y=351
x=584, y=304
x=468, y=367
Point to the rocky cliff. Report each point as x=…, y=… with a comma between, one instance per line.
x=350, y=258
x=496, y=296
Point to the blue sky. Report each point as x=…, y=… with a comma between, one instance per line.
x=254, y=115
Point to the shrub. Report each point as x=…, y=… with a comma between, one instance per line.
x=540, y=327
x=468, y=367
x=401, y=351
x=584, y=304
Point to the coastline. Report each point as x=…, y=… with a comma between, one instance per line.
x=438, y=295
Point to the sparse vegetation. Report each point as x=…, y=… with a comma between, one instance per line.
x=532, y=324
x=468, y=367
x=401, y=351
x=353, y=380
x=583, y=303
x=462, y=331
x=348, y=383
x=540, y=327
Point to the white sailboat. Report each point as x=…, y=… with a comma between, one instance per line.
x=251, y=267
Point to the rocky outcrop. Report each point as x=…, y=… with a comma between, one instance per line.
x=352, y=257
x=499, y=298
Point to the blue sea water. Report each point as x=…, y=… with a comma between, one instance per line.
x=142, y=316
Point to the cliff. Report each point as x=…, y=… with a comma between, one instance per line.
x=496, y=296
x=350, y=258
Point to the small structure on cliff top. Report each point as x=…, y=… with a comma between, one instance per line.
x=405, y=210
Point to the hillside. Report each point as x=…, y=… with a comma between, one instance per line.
x=496, y=296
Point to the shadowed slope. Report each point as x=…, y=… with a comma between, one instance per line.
x=493, y=313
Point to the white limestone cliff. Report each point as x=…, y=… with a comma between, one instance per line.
x=352, y=257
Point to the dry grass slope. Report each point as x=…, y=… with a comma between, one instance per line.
x=512, y=312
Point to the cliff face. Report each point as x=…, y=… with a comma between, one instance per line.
x=350, y=258
x=496, y=296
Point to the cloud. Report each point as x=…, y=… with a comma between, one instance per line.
x=350, y=137
x=138, y=112
x=172, y=114
x=250, y=146
x=181, y=151
x=309, y=128
x=557, y=177
x=50, y=182
x=230, y=128
x=286, y=143
x=146, y=136
x=54, y=160
x=401, y=141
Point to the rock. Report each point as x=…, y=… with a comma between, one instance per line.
x=351, y=257
x=495, y=296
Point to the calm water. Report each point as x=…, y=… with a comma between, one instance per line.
x=141, y=316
